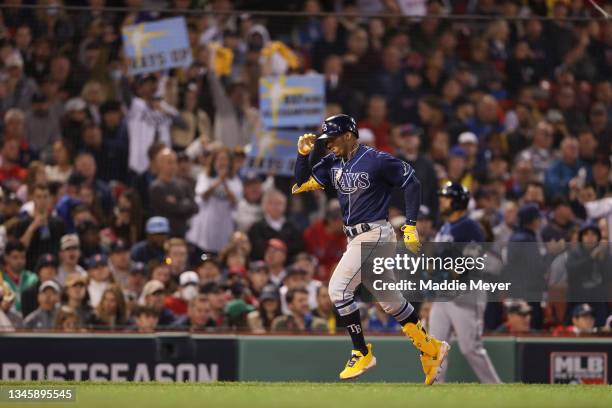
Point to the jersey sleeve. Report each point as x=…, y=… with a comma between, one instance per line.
x=321, y=171
x=396, y=172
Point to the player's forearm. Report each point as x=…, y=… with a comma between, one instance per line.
x=412, y=194
x=302, y=169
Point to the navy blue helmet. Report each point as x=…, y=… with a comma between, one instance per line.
x=459, y=194
x=338, y=125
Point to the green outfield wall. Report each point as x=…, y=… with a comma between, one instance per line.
x=181, y=357
x=280, y=358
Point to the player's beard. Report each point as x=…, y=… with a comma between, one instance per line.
x=446, y=212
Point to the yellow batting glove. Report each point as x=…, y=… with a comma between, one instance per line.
x=309, y=185
x=411, y=238
x=306, y=143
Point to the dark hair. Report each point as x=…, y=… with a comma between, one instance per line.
x=145, y=310
x=14, y=245
x=292, y=292
x=211, y=167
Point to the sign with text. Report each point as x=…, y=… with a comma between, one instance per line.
x=121, y=358
x=156, y=45
x=272, y=151
x=292, y=101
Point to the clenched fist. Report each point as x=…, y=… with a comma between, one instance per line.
x=306, y=143
x=411, y=238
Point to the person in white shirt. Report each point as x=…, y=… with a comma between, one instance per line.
x=149, y=121
x=217, y=195
x=100, y=278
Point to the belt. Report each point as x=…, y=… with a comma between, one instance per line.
x=354, y=230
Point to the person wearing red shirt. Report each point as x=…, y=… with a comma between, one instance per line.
x=11, y=173
x=583, y=322
x=178, y=302
x=325, y=239
x=377, y=122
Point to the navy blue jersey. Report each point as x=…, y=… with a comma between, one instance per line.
x=364, y=183
x=462, y=230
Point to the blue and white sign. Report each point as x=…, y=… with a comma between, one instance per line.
x=292, y=101
x=272, y=151
x=157, y=45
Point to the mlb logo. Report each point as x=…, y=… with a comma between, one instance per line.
x=578, y=367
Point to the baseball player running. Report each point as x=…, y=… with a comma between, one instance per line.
x=364, y=178
x=463, y=315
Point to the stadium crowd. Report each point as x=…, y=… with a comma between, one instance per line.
x=127, y=203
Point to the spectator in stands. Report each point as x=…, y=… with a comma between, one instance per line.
x=503, y=230
x=249, y=211
x=89, y=235
x=299, y=318
x=257, y=277
x=9, y=319
x=236, y=312
x=85, y=165
x=14, y=273
x=599, y=118
x=325, y=239
x=216, y=297
x=61, y=168
x=274, y=225
x=176, y=256
x=69, y=254
x=119, y=262
x=148, y=122
x=601, y=176
x=589, y=272
x=41, y=232
x=218, y=191
x=152, y=248
x=376, y=121
x=260, y=320
x=45, y=269
x=275, y=258
x=566, y=168
x=42, y=127
x=48, y=300
x=199, y=316
x=208, y=269
x=540, y=152
x=161, y=271
x=21, y=88
x=67, y=320
x=525, y=261
x=135, y=284
x=110, y=312
x=76, y=297
x=325, y=309
x=295, y=278
x=127, y=219
x=560, y=223
x=146, y=319
x=170, y=196
x=100, y=278
x=583, y=322
x=11, y=172
x=407, y=139
x=153, y=296
x=518, y=318
x=188, y=289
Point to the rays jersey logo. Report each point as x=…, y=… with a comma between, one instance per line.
x=348, y=183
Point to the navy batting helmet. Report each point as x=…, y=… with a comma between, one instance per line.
x=459, y=194
x=338, y=125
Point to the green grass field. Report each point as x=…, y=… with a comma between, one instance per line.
x=315, y=395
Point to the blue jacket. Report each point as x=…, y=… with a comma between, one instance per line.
x=559, y=174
